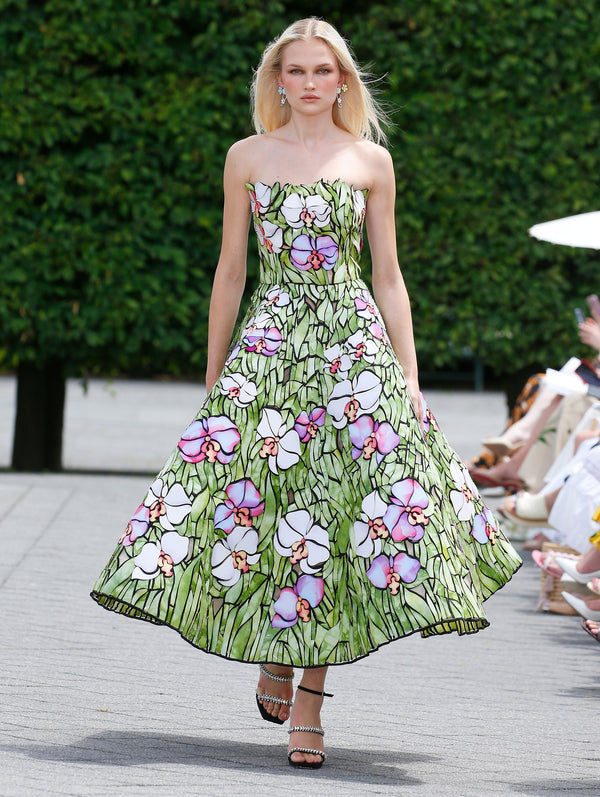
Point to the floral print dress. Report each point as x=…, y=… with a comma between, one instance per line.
x=303, y=518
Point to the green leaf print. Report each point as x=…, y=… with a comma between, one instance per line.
x=420, y=606
x=199, y=504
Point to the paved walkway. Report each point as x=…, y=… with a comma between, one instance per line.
x=95, y=704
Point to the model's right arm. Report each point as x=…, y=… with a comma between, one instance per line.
x=230, y=275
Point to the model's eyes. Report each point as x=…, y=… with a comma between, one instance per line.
x=323, y=71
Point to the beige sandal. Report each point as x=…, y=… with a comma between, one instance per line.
x=529, y=509
x=501, y=447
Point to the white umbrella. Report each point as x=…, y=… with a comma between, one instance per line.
x=582, y=230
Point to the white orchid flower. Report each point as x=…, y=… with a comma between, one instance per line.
x=170, y=506
x=305, y=211
x=302, y=540
x=241, y=390
x=281, y=446
x=160, y=557
x=351, y=399
x=232, y=556
x=370, y=529
x=464, y=496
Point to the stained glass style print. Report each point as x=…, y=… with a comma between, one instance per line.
x=303, y=518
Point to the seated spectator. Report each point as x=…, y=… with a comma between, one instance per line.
x=524, y=452
x=568, y=502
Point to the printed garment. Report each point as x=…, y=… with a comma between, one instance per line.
x=303, y=518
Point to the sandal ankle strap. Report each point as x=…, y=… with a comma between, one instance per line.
x=313, y=691
x=282, y=679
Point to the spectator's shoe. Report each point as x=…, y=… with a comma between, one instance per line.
x=546, y=560
x=568, y=567
x=484, y=479
x=527, y=508
x=581, y=607
x=501, y=447
x=592, y=628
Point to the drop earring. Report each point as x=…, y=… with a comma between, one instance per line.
x=283, y=94
x=338, y=91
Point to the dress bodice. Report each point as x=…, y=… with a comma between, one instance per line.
x=308, y=233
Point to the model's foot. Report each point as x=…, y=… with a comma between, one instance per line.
x=306, y=712
x=279, y=689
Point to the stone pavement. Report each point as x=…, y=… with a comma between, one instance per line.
x=95, y=704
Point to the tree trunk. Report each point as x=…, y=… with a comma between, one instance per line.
x=39, y=422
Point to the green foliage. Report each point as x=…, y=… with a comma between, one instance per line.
x=115, y=117
x=115, y=120
x=497, y=129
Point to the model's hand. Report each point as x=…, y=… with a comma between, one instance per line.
x=589, y=333
x=415, y=396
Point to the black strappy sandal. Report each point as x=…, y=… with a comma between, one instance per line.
x=271, y=698
x=308, y=729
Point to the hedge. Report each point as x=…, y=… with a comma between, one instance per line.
x=115, y=117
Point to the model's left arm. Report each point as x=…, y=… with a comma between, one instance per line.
x=389, y=290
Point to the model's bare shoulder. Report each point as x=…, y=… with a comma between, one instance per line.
x=377, y=156
x=241, y=156
x=246, y=156
x=373, y=164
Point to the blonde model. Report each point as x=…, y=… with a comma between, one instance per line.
x=313, y=510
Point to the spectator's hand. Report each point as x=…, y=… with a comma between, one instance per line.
x=589, y=333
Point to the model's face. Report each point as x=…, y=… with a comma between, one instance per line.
x=310, y=75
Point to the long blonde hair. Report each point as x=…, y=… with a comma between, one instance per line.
x=361, y=115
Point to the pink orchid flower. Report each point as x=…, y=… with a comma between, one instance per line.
x=242, y=505
x=405, y=515
x=429, y=420
x=370, y=438
x=212, y=438
x=307, y=424
x=387, y=572
x=315, y=253
x=377, y=332
x=365, y=305
x=263, y=341
x=137, y=526
x=295, y=604
x=485, y=527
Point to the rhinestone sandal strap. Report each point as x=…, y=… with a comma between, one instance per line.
x=282, y=679
x=313, y=691
x=307, y=729
x=308, y=750
x=273, y=699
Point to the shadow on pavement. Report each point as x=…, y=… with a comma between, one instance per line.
x=557, y=787
x=134, y=749
x=586, y=692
